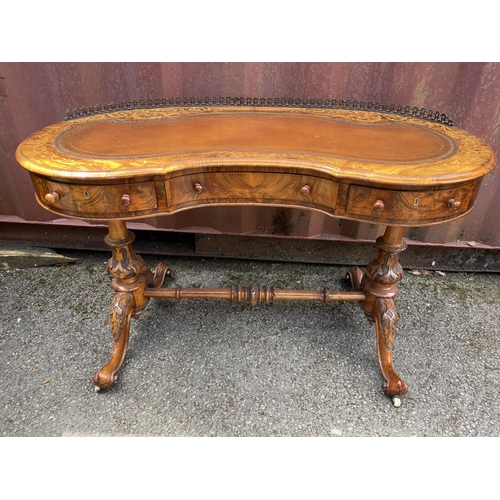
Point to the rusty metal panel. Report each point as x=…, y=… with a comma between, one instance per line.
x=33, y=95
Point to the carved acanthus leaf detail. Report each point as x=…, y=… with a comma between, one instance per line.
x=385, y=312
x=120, y=314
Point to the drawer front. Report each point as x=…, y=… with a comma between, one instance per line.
x=234, y=188
x=101, y=202
x=385, y=205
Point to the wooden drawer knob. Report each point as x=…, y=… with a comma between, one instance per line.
x=198, y=188
x=52, y=197
x=378, y=206
x=125, y=199
x=454, y=204
x=305, y=190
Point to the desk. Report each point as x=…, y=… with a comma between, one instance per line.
x=128, y=161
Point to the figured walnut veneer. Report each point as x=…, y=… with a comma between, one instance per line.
x=368, y=166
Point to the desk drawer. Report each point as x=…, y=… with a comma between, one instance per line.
x=97, y=201
x=408, y=206
x=251, y=188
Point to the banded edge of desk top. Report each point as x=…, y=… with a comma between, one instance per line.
x=338, y=161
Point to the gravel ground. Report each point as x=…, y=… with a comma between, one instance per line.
x=214, y=368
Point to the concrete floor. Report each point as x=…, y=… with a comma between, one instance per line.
x=214, y=368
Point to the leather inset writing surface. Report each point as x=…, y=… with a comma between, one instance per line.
x=397, y=142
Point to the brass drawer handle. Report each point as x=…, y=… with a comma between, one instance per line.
x=52, y=197
x=454, y=204
x=125, y=199
x=378, y=206
x=198, y=188
x=305, y=190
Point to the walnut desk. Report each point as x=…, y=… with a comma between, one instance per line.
x=394, y=166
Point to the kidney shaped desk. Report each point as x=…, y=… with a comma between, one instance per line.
x=126, y=161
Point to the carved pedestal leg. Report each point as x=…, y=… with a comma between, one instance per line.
x=385, y=316
x=121, y=311
x=130, y=278
x=380, y=284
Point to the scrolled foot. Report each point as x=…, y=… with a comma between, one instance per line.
x=155, y=279
x=105, y=378
x=355, y=276
x=160, y=272
x=394, y=386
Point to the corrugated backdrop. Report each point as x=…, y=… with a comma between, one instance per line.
x=33, y=95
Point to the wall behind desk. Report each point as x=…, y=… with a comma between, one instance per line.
x=34, y=95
